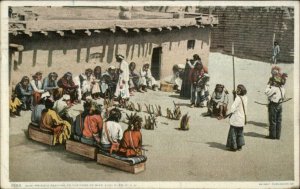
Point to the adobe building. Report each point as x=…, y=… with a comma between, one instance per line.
x=73, y=44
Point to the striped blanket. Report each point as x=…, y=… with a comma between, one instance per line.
x=131, y=160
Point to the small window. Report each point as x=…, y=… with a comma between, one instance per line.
x=190, y=44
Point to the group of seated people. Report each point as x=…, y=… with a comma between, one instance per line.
x=88, y=127
x=91, y=129
x=94, y=83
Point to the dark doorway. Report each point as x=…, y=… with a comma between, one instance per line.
x=155, y=62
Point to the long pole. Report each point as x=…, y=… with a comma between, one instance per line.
x=232, y=52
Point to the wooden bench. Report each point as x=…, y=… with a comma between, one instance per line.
x=121, y=165
x=36, y=134
x=81, y=149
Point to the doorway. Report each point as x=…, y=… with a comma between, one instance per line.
x=156, y=62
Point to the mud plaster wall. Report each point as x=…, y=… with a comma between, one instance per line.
x=252, y=30
x=76, y=52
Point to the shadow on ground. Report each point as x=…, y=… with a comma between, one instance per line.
x=217, y=145
x=253, y=134
x=259, y=124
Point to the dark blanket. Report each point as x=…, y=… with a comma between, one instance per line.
x=130, y=160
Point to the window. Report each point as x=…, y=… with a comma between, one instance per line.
x=190, y=44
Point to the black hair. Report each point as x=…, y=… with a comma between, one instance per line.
x=114, y=115
x=49, y=104
x=243, y=89
x=196, y=57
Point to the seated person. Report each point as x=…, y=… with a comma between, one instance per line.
x=77, y=126
x=147, y=80
x=134, y=79
x=178, y=74
x=37, y=87
x=96, y=92
x=109, y=82
x=88, y=84
x=68, y=86
x=217, y=105
x=24, y=93
x=61, y=106
x=14, y=105
x=50, y=121
x=131, y=143
x=37, y=111
x=50, y=85
x=92, y=126
x=112, y=130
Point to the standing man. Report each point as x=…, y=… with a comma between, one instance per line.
x=122, y=89
x=238, y=119
x=275, y=52
x=275, y=94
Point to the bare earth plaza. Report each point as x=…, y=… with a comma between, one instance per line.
x=184, y=92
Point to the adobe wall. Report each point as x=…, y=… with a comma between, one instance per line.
x=252, y=30
x=76, y=52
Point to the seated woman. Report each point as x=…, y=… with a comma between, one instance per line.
x=68, y=86
x=112, y=131
x=92, y=126
x=131, y=143
x=217, y=105
x=24, y=93
x=50, y=121
x=50, y=85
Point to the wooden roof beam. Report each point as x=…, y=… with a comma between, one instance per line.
x=113, y=30
x=97, y=31
x=61, y=33
x=44, y=32
x=169, y=28
x=16, y=47
x=124, y=29
x=15, y=33
x=178, y=27
x=73, y=31
x=136, y=30
x=28, y=33
x=148, y=29
x=88, y=32
x=159, y=29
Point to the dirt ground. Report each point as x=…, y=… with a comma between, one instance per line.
x=195, y=155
